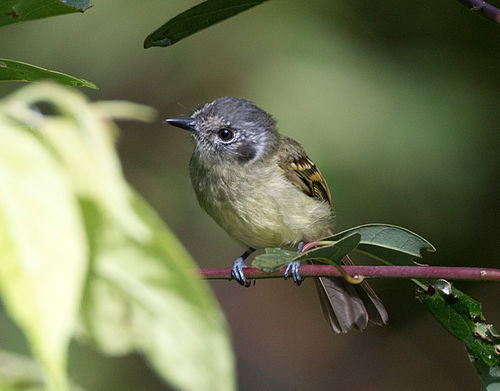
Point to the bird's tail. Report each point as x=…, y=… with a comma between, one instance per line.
x=347, y=306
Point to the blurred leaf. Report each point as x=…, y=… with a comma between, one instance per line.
x=19, y=373
x=141, y=293
x=83, y=139
x=13, y=11
x=123, y=110
x=197, y=18
x=11, y=70
x=42, y=247
x=144, y=296
x=462, y=317
x=275, y=258
x=388, y=243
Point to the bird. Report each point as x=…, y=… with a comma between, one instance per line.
x=262, y=188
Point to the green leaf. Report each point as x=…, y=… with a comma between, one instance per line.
x=42, y=247
x=388, y=243
x=333, y=254
x=141, y=292
x=489, y=376
x=19, y=373
x=22, y=373
x=143, y=296
x=462, y=317
x=195, y=19
x=14, y=11
x=11, y=70
x=83, y=139
x=273, y=259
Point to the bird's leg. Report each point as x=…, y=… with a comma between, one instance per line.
x=238, y=265
x=293, y=267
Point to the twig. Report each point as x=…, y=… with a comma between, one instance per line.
x=487, y=10
x=451, y=273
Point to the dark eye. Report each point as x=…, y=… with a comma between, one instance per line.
x=225, y=134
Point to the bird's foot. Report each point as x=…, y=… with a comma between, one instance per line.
x=237, y=269
x=237, y=272
x=293, y=269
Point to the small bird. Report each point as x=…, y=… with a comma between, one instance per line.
x=265, y=192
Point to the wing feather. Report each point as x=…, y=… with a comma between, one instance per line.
x=303, y=173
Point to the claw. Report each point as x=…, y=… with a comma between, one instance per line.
x=237, y=272
x=237, y=269
x=293, y=269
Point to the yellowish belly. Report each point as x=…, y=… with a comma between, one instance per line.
x=266, y=212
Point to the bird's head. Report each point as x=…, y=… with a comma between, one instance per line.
x=230, y=129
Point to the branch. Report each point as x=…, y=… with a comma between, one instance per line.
x=487, y=10
x=450, y=273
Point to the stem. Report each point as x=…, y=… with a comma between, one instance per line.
x=487, y=10
x=357, y=272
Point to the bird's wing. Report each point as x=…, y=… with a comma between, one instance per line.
x=303, y=173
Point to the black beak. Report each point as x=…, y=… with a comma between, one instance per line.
x=183, y=123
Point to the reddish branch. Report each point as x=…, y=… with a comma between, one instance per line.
x=484, y=9
x=449, y=273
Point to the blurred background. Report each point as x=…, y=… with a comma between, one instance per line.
x=398, y=105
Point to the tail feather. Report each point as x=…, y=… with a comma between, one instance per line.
x=346, y=306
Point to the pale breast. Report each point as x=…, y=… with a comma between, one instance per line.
x=259, y=207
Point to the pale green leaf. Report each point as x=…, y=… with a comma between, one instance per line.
x=22, y=373
x=141, y=293
x=144, y=296
x=42, y=247
x=273, y=259
x=83, y=139
x=19, y=373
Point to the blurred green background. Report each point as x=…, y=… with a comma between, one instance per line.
x=398, y=105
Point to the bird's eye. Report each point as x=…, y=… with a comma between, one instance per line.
x=225, y=134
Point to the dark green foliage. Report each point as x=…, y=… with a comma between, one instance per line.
x=197, y=18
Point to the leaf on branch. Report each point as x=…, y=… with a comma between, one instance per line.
x=488, y=376
x=333, y=254
x=462, y=317
x=11, y=70
x=275, y=258
x=14, y=11
x=195, y=19
x=388, y=243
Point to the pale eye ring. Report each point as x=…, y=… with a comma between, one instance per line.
x=226, y=134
